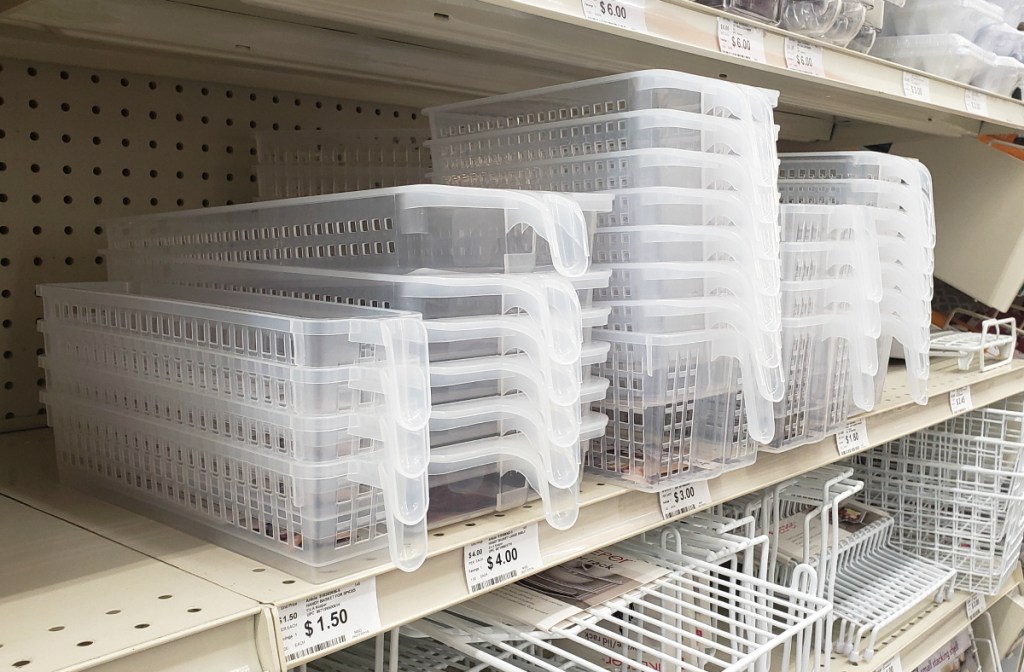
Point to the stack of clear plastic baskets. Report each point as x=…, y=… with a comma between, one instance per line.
x=956, y=491
x=310, y=163
x=506, y=349
x=896, y=193
x=691, y=242
x=289, y=430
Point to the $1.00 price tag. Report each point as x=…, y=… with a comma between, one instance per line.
x=852, y=437
x=502, y=557
x=976, y=102
x=805, y=57
x=329, y=619
x=738, y=39
x=684, y=498
x=892, y=665
x=622, y=14
x=975, y=606
x=916, y=86
x=960, y=400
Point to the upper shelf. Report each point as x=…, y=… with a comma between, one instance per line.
x=425, y=51
x=608, y=514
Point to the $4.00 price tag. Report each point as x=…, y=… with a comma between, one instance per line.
x=976, y=102
x=852, y=437
x=738, y=39
x=502, y=557
x=975, y=606
x=629, y=15
x=684, y=498
x=892, y=665
x=916, y=86
x=329, y=619
x=805, y=57
x=960, y=400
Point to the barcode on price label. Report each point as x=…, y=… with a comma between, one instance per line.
x=960, y=400
x=975, y=606
x=501, y=557
x=629, y=15
x=315, y=624
x=684, y=498
x=976, y=102
x=805, y=57
x=852, y=437
x=739, y=39
x=916, y=86
x=892, y=665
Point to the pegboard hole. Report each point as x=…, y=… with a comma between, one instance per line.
x=96, y=170
x=8, y=416
x=33, y=103
x=95, y=79
x=126, y=201
x=179, y=117
x=179, y=146
x=57, y=628
x=66, y=170
x=68, y=199
x=8, y=385
x=3, y=166
x=64, y=74
x=126, y=172
x=69, y=261
x=125, y=142
x=153, y=173
x=19, y=663
x=179, y=88
x=141, y=626
x=65, y=138
x=33, y=136
x=152, y=85
x=125, y=112
x=98, y=260
x=40, y=382
x=95, y=109
x=7, y=324
x=65, y=107
x=4, y=230
x=165, y=597
x=5, y=293
x=154, y=202
x=36, y=198
x=4, y=261
x=152, y=114
x=85, y=643
x=113, y=612
x=259, y=569
x=8, y=354
x=3, y=198
x=152, y=144
x=68, y=230
x=37, y=261
x=96, y=140
x=125, y=82
x=288, y=582
x=34, y=168
x=98, y=200
x=98, y=230
x=194, y=610
x=36, y=230
x=205, y=91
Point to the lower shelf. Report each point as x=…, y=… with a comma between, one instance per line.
x=241, y=588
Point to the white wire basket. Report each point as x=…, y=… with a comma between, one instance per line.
x=956, y=492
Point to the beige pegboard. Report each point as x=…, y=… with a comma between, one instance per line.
x=80, y=145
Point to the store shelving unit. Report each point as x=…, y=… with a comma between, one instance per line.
x=227, y=66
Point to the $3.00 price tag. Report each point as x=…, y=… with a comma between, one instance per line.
x=852, y=437
x=628, y=15
x=960, y=400
x=329, y=619
x=684, y=498
x=805, y=57
x=976, y=102
x=738, y=39
x=975, y=606
x=501, y=557
x=916, y=86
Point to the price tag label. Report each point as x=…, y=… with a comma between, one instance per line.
x=684, y=498
x=916, y=87
x=327, y=620
x=501, y=558
x=960, y=400
x=975, y=606
x=976, y=102
x=738, y=39
x=892, y=665
x=805, y=57
x=852, y=437
x=627, y=15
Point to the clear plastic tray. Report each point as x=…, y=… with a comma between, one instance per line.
x=861, y=165
x=588, y=136
x=395, y=230
x=939, y=17
x=372, y=147
x=629, y=169
x=300, y=518
x=1013, y=11
x=675, y=409
x=763, y=11
x=944, y=55
x=1002, y=77
x=1003, y=39
x=277, y=181
x=833, y=21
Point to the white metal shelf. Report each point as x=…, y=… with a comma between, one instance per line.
x=429, y=50
x=608, y=514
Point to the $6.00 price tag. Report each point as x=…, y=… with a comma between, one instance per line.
x=329, y=619
x=501, y=557
x=684, y=498
x=628, y=15
x=805, y=57
x=739, y=39
x=960, y=400
x=975, y=606
x=852, y=437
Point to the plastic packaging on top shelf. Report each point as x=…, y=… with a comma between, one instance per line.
x=764, y=11
x=941, y=17
x=1013, y=11
x=864, y=40
x=946, y=55
x=1003, y=77
x=1002, y=39
x=834, y=21
x=394, y=230
x=277, y=181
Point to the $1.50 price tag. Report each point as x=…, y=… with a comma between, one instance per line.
x=629, y=15
x=684, y=498
x=892, y=665
x=738, y=39
x=852, y=437
x=976, y=102
x=805, y=57
x=916, y=86
x=329, y=619
x=501, y=557
x=960, y=400
x=975, y=606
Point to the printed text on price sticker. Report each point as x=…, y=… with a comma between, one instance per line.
x=975, y=606
x=684, y=498
x=502, y=557
x=960, y=400
x=622, y=14
x=976, y=102
x=328, y=620
x=916, y=87
x=739, y=39
x=805, y=57
x=852, y=437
